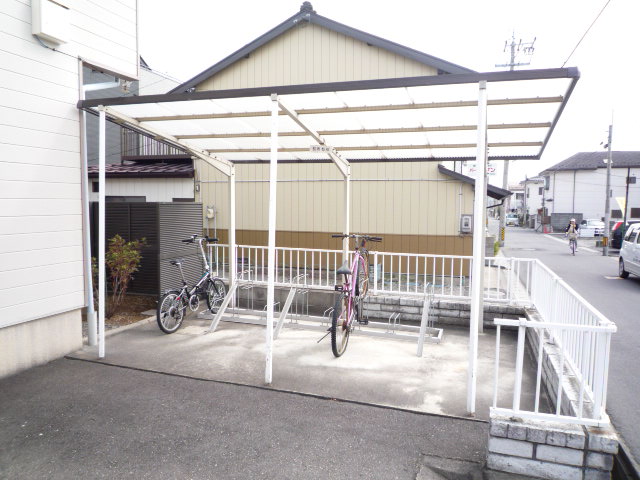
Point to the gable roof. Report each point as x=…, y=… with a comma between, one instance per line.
x=492, y=190
x=308, y=14
x=593, y=160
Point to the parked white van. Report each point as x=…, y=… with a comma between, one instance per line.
x=630, y=252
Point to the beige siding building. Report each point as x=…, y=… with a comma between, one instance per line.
x=407, y=201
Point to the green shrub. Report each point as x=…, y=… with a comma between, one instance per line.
x=122, y=260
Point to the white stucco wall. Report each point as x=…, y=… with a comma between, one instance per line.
x=153, y=189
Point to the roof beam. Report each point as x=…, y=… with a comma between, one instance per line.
x=380, y=147
x=360, y=108
x=402, y=82
x=366, y=131
x=341, y=163
x=218, y=163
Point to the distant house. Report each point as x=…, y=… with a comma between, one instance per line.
x=405, y=198
x=139, y=168
x=169, y=181
x=532, y=201
x=577, y=185
x=515, y=203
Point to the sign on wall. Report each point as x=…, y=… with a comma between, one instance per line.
x=471, y=168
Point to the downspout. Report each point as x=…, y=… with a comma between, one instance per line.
x=573, y=202
x=553, y=207
x=86, y=228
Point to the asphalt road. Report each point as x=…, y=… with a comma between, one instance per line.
x=596, y=278
x=75, y=419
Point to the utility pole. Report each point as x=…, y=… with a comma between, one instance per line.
x=626, y=200
x=607, y=211
x=526, y=48
x=544, y=184
x=525, y=213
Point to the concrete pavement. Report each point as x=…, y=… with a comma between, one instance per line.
x=378, y=371
x=596, y=278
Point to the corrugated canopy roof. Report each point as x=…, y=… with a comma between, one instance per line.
x=430, y=117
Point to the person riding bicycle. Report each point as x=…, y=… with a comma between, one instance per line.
x=572, y=231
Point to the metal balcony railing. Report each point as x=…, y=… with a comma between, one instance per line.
x=140, y=147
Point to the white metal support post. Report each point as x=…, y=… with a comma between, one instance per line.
x=477, y=272
x=101, y=230
x=92, y=318
x=233, y=269
x=271, y=252
x=347, y=210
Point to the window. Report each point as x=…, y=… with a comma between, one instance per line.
x=633, y=236
x=616, y=213
x=95, y=187
x=629, y=234
x=183, y=200
x=547, y=182
x=635, y=212
x=540, y=191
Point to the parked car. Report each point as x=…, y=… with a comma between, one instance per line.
x=617, y=232
x=597, y=225
x=512, y=219
x=629, y=261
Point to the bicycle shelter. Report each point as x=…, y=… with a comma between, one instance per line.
x=473, y=116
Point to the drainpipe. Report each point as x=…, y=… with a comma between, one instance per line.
x=573, y=202
x=86, y=233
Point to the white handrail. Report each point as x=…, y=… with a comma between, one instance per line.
x=566, y=317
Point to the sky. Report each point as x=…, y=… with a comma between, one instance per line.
x=183, y=38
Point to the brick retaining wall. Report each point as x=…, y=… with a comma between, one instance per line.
x=554, y=451
x=445, y=312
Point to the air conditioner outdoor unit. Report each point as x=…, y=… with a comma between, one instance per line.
x=50, y=21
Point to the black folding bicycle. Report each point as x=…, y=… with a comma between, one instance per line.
x=173, y=304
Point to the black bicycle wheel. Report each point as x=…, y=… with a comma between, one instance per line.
x=215, y=293
x=171, y=311
x=573, y=247
x=340, y=327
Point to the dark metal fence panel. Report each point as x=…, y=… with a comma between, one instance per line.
x=178, y=221
x=163, y=226
x=144, y=224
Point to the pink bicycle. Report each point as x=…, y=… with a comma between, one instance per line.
x=349, y=304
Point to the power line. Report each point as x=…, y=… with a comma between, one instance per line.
x=585, y=33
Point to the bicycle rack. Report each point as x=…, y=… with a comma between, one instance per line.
x=393, y=323
x=249, y=299
x=301, y=299
x=276, y=308
x=328, y=315
x=427, y=323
